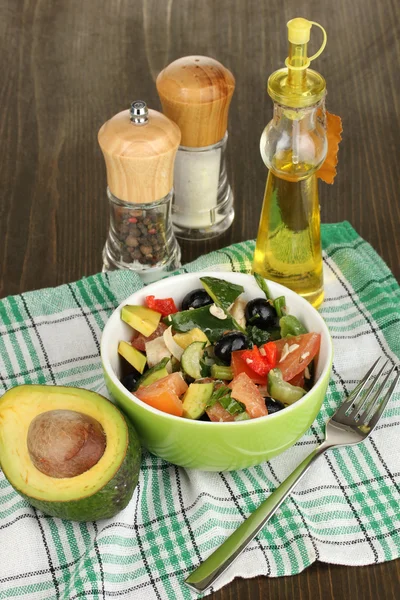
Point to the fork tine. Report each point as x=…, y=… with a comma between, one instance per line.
x=353, y=396
x=365, y=402
x=372, y=404
x=378, y=413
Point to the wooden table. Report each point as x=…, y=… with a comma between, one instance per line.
x=68, y=65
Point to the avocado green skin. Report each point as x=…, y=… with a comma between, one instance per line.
x=110, y=499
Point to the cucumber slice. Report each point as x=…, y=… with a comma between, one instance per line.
x=221, y=372
x=243, y=416
x=282, y=390
x=157, y=372
x=191, y=357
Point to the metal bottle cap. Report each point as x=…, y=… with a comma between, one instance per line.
x=139, y=113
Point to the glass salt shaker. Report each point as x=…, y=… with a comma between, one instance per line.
x=195, y=93
x=139, y=147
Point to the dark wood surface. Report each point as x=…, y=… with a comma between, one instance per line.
x=68, y=65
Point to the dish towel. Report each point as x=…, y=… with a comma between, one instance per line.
x=344, y=511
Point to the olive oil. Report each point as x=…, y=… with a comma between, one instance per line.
x=294, y=146
x=288, y=248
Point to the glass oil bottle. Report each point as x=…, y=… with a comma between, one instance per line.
x=294, y=146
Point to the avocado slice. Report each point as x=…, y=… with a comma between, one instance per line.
x=99, y=492
x=195, y=399
x=194, y=335
x=143, y=319
x=133, y=356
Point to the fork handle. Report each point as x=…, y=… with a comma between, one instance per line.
x=208, y=571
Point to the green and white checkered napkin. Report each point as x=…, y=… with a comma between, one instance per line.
x=344, y=511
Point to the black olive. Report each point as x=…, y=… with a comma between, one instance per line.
x=273, y=406
x=196, y=299
x=230, y=342
x=205, y=417
x=129, y=381
x=262, y=314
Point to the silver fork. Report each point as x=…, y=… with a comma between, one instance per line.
x=352, y=422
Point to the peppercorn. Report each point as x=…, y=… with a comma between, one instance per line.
x=141, y=236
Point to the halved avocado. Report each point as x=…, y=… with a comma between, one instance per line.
x=29, y=414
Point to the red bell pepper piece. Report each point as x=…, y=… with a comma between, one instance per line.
x=165, y=306
x=271, y=353
x=261, y=362
x=239, y=365
x=256, y=361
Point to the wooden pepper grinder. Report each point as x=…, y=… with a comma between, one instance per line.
x=195, y=93
x=139, y=147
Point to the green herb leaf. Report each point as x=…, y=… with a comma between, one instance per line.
x=223, y=396
x=217, y=395
x=232, y=406
x=262, y=285
x=280, y=306
x=290, y=325
x=257, y=336
x=206, y=362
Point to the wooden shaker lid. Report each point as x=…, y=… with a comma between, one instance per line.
x=139, y=148
x=195, y=93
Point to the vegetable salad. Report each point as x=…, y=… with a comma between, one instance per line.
x=218, y=357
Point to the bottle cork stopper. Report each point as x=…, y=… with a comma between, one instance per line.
x=195, y=93
x=139, y=147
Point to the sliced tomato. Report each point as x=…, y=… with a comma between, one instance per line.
x=164, y=400
x=164, y=394
x=263, y=389
x=239, y=365
x=140, y=340
x=298, y=380
x=296, y=361
x=217, y=413
x=245, y=390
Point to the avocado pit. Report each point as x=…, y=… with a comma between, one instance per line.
x=65, y=443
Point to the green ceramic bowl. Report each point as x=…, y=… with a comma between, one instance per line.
x=216, y=446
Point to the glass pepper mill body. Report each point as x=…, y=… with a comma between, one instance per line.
x=195, y=93
x=293, y=146
x=140, y=238
x=139, y=148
